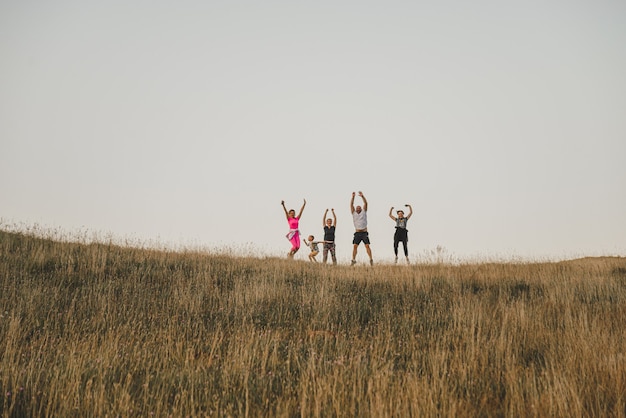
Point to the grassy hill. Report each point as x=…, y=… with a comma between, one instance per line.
x=104, y=330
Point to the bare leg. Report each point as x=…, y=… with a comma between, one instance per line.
x=354, y=248
x=369, y=252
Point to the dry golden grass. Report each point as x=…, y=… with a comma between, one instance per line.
x=102, y=330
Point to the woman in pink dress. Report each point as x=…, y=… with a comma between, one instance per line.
x=294, y=234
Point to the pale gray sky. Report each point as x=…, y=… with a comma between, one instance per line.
x=502, y=123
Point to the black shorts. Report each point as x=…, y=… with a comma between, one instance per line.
x=361, y=237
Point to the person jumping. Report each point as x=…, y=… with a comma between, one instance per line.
x=294, y=234
x=401, y=234
x=359, y=217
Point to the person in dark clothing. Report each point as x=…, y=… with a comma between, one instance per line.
x=401, y=234
x=329, y=237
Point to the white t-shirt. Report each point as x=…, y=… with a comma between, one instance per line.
x=359, y=219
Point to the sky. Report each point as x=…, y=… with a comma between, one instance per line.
x=186, y=123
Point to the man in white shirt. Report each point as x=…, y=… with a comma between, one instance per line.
x=359, y=217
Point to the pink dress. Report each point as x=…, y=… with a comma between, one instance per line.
x=294, y=235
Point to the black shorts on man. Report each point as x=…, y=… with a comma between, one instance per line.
x=361, y=237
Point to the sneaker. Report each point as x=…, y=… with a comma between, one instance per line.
x=353, y=262
x=371, y=262
x=407, y=260
x=396, y=260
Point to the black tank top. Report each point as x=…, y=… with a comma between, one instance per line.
x=329, y=233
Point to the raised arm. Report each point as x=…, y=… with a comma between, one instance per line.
x=410, y=211
x=334, y=217
x=302, y=209
x=282, y=202
x=352, y=203
x=324, y=218
x=391, y=214
x=364, y=201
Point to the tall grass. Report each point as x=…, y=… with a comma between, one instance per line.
x=103, y=330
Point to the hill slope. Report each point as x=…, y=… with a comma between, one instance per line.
x=105, y=330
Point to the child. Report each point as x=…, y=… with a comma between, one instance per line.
x=313, y=246
x=294, y=234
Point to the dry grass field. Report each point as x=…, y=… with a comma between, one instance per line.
x=103, y=330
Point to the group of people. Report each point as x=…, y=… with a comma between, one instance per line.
x=359, y=218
